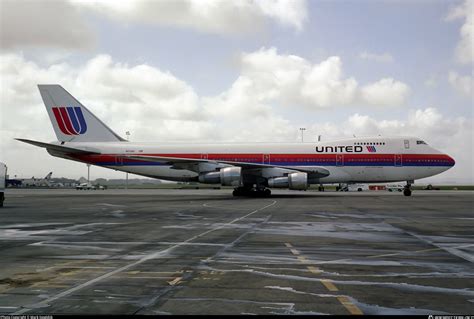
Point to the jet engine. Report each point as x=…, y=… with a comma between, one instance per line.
x=297, y=181
x=228, y=176
x=231, y=176
x=278, y=182
x=210, y=178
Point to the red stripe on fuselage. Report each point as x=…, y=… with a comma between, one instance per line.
x=275, y=158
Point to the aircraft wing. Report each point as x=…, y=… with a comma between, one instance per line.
x=57, y=148
x=313, y=171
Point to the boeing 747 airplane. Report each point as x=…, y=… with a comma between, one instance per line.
x=250, y=168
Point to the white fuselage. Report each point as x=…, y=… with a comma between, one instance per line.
x=374, y=159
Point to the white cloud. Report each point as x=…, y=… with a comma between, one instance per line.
x=213, y=16
x=462, y=84
x=268, y=77
x=62, y=24
x=287, y=12
x=464, y=49
x=43, y=24
x=385, y=92
x=381, y=58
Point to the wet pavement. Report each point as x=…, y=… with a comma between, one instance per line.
x=205, y=252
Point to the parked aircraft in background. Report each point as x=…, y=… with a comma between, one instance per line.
x=250, y=168
x=36, y=182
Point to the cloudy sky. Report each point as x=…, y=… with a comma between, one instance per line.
x=196, y=70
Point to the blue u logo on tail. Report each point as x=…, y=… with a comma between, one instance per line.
x=70, y=120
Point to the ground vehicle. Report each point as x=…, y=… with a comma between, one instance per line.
x=394, y=187
x=3, y=175
x=85, y=186
x=354, y=188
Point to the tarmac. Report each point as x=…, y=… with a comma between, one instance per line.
x=206, y=252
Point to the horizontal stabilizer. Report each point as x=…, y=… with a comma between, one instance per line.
x=58, y=148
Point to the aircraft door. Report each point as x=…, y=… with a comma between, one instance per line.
x=398, y=160
x=266, y=158
x=118, y=160
x=339, y=160
x=407, y=144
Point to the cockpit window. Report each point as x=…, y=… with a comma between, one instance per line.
x=421, y=142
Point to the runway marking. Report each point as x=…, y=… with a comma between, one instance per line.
x=145, y=258
x=329, y=285
x=294, y=251
x=314, y=270
x=302, y=259
x=175, y=281
x=345, y=301
x=353, y=309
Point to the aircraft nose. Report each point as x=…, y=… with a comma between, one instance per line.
x=450, y=161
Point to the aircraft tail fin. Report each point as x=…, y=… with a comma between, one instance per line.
x=72, y=121
x=48, y=177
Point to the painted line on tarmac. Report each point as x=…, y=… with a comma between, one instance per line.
x=45, y=303
x=328, y=283
x=346, y=302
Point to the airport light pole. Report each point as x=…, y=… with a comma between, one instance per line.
x=88, y=173
x=126, y=173
x=302, y=129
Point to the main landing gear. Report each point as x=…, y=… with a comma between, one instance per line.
x=407, y=189
x=252, y=192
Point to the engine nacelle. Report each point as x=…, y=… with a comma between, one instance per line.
x=210, y=178
x=292, y=181
x=278, y=182
x=231, y=176
x=298, y=181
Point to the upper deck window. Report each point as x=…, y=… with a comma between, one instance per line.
x=421, y=142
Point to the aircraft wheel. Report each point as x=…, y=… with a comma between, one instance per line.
x=267, y=192
x=407, y=192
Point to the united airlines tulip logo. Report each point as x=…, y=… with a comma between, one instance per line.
x=70, y=119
